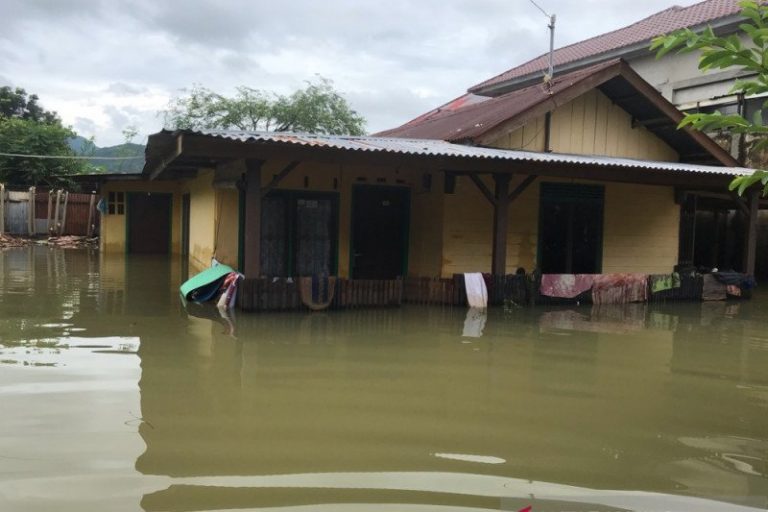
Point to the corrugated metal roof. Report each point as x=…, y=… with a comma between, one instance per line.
x=470, y=120
x=440, y=148
x=643, y=31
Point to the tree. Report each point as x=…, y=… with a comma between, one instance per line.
x=28, y=129
x=14, y=103
x=318, y=108
x=727, y=53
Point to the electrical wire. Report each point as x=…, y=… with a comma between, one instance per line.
x=73, y=157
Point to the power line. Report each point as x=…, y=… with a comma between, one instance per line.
x=74, y=157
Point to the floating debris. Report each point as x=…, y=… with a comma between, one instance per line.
x=63, y=242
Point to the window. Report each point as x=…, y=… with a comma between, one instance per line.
x=116, y=203
x=298, y=233
x=571, y=228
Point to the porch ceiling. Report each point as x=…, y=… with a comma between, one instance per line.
x=175, y=154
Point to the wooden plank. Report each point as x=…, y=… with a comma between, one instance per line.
x=2, y=208
x=31, y=212
x=50, y=212
x=252, y=238
x=63, y=226
x=56, y=213
x=91, y=204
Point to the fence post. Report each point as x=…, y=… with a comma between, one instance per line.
x=50, y=212
x=2, y=208
x=56, y=214
x=64, y=214
x=31, y=212
x=89, y=230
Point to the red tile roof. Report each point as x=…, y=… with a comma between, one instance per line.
x=644, y=30
x=474, y=118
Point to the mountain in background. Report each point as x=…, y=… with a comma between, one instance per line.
x=85, y=147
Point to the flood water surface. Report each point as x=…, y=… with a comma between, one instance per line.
x=113, y=396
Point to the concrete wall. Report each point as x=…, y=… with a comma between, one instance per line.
x=202, y=219
x=680, y=80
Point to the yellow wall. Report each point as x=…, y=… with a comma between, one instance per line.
x=426, y=233
x=590, y=125
x=113, y=226
x=227, y=226
x=641, y=222
x=640, y=229
x=202, y=219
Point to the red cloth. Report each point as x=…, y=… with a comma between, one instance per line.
x=620, y=288
x=565, y=286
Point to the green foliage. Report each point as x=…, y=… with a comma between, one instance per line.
x=717, y=53
x=25, y=136
x=318, y=108
x=15, y=103
x=28, y=129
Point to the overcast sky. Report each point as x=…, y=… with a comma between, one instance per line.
x=105, y=65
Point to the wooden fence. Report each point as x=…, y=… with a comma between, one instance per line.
x=283, y=294
x=521, y=290
x=451, y=291
x=56, y=212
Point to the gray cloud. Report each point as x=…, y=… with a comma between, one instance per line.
x=123, y=89
x=105, y=64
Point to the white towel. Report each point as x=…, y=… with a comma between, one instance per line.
x=474, y=323
x=477, y=293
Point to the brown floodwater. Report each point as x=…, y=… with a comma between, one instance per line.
x=115, y=397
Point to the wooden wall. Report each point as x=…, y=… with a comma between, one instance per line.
x=590, y=125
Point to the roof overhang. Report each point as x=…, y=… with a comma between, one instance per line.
x=212, y=149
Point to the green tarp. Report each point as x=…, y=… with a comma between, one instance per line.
x=204, y=285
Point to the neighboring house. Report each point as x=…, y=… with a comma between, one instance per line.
x=676, y=76
x=567, y=178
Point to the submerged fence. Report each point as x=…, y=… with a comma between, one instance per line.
x=518, y=289
x=283, y=294
x=55, y=212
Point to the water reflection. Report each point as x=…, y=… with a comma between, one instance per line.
x=169, y=407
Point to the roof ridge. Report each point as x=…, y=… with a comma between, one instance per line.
x=562, y=49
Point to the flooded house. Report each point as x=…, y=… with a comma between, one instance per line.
x=585, y=174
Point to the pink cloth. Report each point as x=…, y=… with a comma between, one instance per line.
x=620, y=288
x=565, y=286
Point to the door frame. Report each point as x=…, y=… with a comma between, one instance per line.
x=129, y=218
x=186, y=219
x=406, y=231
